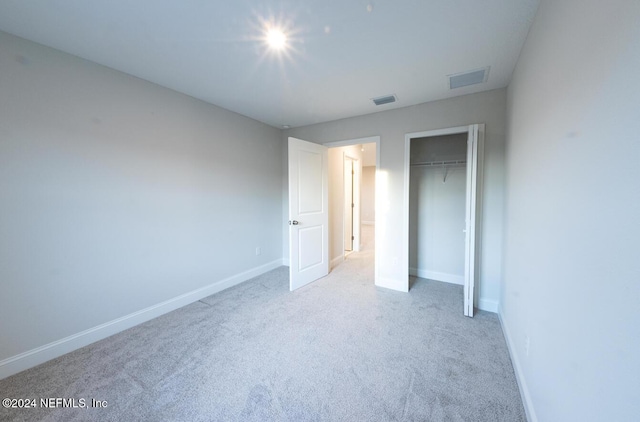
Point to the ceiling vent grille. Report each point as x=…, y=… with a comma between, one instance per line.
x=472, y=77
x=384, y=100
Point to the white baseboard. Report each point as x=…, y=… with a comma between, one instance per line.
x=285, y=262
x=434, y=275
x=368, y=223
x=41, y=354
x=522, y=385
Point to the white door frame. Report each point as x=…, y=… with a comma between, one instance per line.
x=473, y=203
x=367, y=140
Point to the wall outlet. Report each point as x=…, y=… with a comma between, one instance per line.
x=258, y=251
x=527, y=343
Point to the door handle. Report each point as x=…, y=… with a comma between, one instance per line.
x=293, y=222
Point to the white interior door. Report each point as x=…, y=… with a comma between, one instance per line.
x=470, y=219
x=308, y=212
x=348, y=204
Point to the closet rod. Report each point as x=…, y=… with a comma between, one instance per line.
x=439, y=163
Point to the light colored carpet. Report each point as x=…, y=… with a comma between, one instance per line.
x=339, y=349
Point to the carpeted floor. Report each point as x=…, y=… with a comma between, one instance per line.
x=339, y=349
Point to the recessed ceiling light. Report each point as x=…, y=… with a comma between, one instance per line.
x=285, y=126
x=276, y=38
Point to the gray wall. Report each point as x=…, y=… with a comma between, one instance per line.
x=486, y=107
x=571, y=266
x=118, y=194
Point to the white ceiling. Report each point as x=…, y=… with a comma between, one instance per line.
x=341, y=54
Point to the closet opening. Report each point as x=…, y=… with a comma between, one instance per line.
x=437, y=193
x=442, y=191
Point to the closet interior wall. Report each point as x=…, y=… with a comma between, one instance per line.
x=437, y=207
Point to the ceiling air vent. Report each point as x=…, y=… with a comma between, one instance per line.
x=472, y=77
x=384, y=100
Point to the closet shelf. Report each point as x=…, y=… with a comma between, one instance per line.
x=439, y=163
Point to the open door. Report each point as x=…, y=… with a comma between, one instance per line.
x=470, y=219
x=348, y=204
x=308, y=212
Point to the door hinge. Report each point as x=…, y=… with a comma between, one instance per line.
x=353, y=238
x=352, y=205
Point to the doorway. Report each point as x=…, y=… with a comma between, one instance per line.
x=351, y=197
x=315, y=247
x=447, y=157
